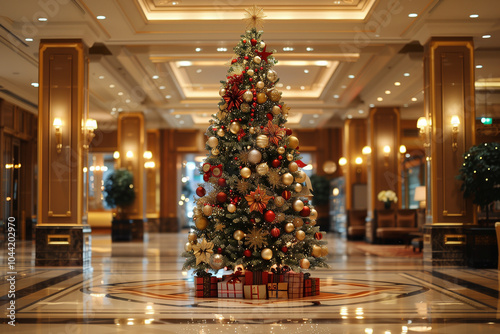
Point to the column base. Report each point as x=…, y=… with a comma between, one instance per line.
x=63, y=245
x=444, y=245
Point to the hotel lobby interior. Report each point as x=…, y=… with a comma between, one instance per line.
x=395, y=104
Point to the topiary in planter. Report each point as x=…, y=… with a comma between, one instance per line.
x=119, y=189
x=480, y=173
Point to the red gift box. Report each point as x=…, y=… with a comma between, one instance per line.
x=230, y=287
x=295, y=284
x=256, y=277
x=315, y=286
x=206, y=286
x=276, y=278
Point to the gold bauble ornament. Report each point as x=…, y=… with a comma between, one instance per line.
x=188, y=246
x=312, y=222
x=298, y=222
x=276, y=110
x=254, y=156
x=324, y=250
x=245, y=172
x=248, y=96
x=289, y=227
x=293, y=142
x=263, y=168
x=215, y=151
x=289, y=157
x=196, y=212
x=250, y=73
x=287, y=179
x=281, y=150
x=260, y=84
x=257, y=59
x=274, y=95
x=221, y=133
x=262, y=45
x=300, y=235
x=293, y=167
x=272, y=75
x=238, y=235
x=298, y=188
x=216, y=261
x=213, y=142
x=235, y=127
x=316, y=251
x=301, y=176
x=207, y=210
x=201, y=223
x=231, y=208
x=222, y=92
x=261, y=98
x=279, y=201
x=245, y=107
x=251, y=130
x=313, y=214
x=192, y=237
x=298, y=205
x=266, y=254
x=304, y=263
x=262, y=141
x=280, y=217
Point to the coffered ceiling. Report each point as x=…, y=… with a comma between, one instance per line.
x=336, y=59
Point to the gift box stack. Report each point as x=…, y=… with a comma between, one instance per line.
x=256, y=284
x=206, y=286
x=311, y=286
x=231, y=286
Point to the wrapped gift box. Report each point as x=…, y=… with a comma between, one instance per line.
x=276, y=278
x=315, y=286
x=311, y=286
x=277, y=290
x=295, y=284
x=256, y=277
x=230, y=287
x=255, y=291
x=206, y=286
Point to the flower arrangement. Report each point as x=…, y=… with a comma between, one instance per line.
x=387, y=196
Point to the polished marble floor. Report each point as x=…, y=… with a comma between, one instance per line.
x=139, y=288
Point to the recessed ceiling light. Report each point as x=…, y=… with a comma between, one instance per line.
x=175, y=3
x=120, y=109
x=335, y=96
x=288, y=48
x=168, y=96
x=414, y=99
x=309, y=49
x=479, y=66
x=316, y=116
x=198, y=70
x=380, y=99
x=361, y=111
x=321, y=63
x=222, y=49
x=127, y=100
x=349, y=116
x=311, y=121
x=473, y=16
x=181, y=122
x=120, y=93
x=371, y=105
x=405, y=105
x=101, y=77
x=388, y=92
x=28, y=39
x=162, y=87
x=42, y=19
x=279, y=85
x=350, y=76
x=177, y=116
x=184, y=63
x=397, y=83
x=343, y=86
x=412, y=15
x=306, y=71
x=486, y=36
x=111, y=86
x=155, y=77
x=35, y=84
x=101, y=17
x=197, y=49
x=406, y=74
x=113, y=109
x=288, y=87
x=302, y=87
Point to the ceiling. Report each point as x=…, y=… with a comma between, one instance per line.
x=336, y=59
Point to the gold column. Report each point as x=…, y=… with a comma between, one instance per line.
x=449, y=91
x=62, y=233
x=169, y=221
x=153, y=176
x=354, y=141
x=131, y=145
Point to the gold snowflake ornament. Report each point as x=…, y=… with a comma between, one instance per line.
x=202, y=251
x=254, y=17
x=256, y=238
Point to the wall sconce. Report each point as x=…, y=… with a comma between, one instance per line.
x=57, y=126
x=402, y=149
x=149, y=164
x=422, y=125
x=116, y=155
x=148, y=155
x=358, y=161
x=342, y=162
x=387, y=151
x=366, y=150
x=90, y=126
x=129, y=155
x=455, y=122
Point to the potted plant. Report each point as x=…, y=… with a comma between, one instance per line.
x=119, y=193
x=480, y=173
x=387, y=197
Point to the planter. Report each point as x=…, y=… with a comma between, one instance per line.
x=121, y=230
x=481, y=248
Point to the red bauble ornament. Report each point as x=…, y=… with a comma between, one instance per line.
x=286, y=194
x=288, y=131
x=276, y=163
x=234, y=61
x=253, y=41
x=275, y=232
x=270, y=116
x=252, y=220
x=247, y=253
x=206, y=177
x=318, y=235
x=305, y=212
x=222, y=182
x=200, y=191
x=221, y=197
x=269, y=216
x=284, y=249
x=280, y=157
x=219, y=250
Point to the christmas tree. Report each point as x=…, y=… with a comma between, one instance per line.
x=252, y=211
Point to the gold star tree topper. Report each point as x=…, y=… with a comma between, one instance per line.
x=254, y=17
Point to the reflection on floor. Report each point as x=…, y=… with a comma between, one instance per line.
x=139, y=287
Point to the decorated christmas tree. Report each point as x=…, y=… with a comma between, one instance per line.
x=253, y=209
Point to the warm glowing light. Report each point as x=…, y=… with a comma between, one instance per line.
x=129, y=154
x=342, y=161
x=387, y=150
x=116, y=155
x=421, y=123
x=455, y=121
x=147, y=155
x=149, y=164
x=57, y=123
x=366, y=150
x=91, y=124
x=402, y=149
x=336, y=191
x=358, y=161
